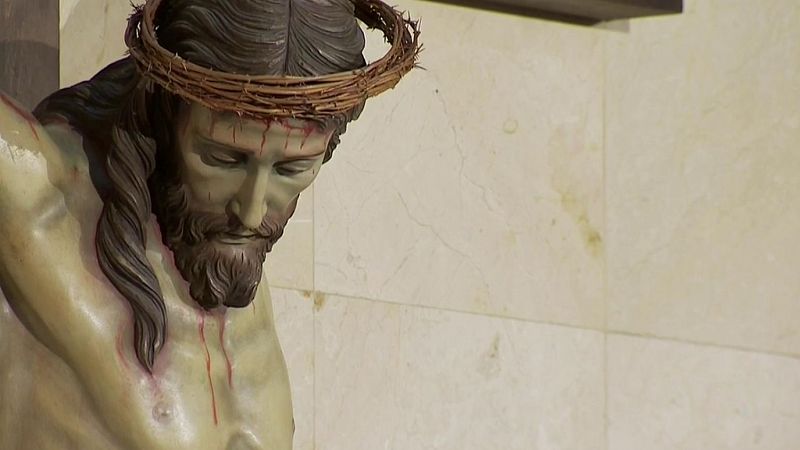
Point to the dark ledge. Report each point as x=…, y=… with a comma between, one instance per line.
x=578, y=11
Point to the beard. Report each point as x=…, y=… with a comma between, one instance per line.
x=218, y=272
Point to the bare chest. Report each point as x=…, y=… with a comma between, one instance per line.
x=225, y=374
x=220, y=383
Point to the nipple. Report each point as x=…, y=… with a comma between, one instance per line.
x=162, y=412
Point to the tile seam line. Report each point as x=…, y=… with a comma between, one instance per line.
x=610, y=331
x=606, y=290
x=450, y=310
x=58, y=41
x=313, y=376
x=713, y=345
x=313, y=318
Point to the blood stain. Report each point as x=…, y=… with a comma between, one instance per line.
x=212, y=125
x=28, y=117
x=221, y=321
x=307, y=130
x=264, y=137
x=202, y=326
x=120, y=346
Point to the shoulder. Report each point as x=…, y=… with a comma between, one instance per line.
x=33, y=166
x=20, y=132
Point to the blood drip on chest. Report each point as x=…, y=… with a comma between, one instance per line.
x=202, y=326
x=120, y=345
x=229, y=367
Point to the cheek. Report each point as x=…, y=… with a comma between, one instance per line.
x=210, y=189
x=305, y=179
x=287, y=189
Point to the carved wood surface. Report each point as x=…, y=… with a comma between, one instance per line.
x=28, y=49
x=605, y=9
x=588, y=11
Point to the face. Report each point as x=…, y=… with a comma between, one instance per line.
x=234, y=186
x=244, y=167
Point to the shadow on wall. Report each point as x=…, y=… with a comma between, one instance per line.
x=27, y=70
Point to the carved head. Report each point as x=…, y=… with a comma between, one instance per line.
x=224, y=192
x=222, y=187
x=225, y=186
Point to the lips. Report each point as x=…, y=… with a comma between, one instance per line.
x=236, y=238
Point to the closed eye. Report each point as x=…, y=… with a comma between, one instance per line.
x=224, y=158
x=295, y=167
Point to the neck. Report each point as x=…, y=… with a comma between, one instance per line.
x=175, y=289
x=225, y=331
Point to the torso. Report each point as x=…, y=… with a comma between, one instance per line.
x=220, y=382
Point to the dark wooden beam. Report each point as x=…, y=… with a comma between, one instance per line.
x=578, y=11
x=29, y=49
x=605, y=9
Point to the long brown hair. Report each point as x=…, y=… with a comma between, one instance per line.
x=127, y=120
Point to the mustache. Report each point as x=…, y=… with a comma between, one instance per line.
x=217, y=274
x=198, y=226
x=181, y=226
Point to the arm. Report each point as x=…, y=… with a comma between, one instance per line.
x=49, y=274
x=29, y=161
x=31, y=203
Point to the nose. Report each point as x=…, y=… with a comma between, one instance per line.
x=250, y=203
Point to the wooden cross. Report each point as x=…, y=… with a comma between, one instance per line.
x=29, y=38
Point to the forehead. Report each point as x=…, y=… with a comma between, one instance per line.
x=296, y=137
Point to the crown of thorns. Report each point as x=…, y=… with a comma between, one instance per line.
x=278, y=96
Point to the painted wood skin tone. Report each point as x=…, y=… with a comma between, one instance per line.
x=71, y=379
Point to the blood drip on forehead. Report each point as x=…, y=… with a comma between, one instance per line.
x=267, y=124
x=306, y=129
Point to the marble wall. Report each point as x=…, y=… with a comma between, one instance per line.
x=554, y=237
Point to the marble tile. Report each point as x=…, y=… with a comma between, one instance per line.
x=401, y=377
x=291, y=262
x=671, y=396
x=703, y=192
x=476, y=184
x=92, y=36
x=294, y=323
